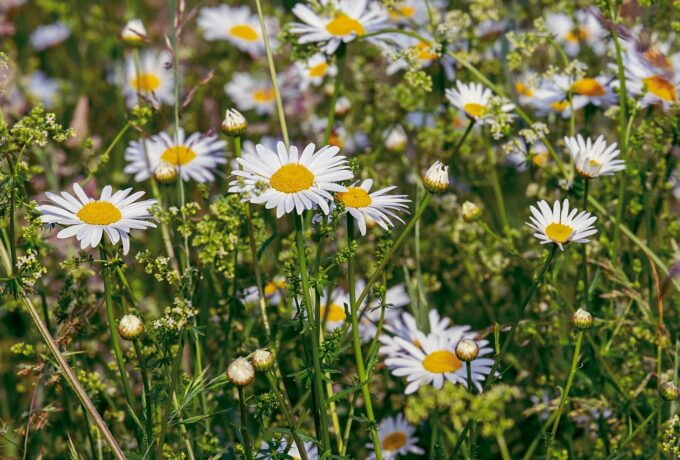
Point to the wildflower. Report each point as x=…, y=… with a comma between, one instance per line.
x=134, y=33
x=359, y=203
x=408, y=12
x=396, y=438
x=348, y=20
x=88, y=219
x=467, y=350
x=194, y=157
x=240, y=372
x=658, y=86
x=332, y=310
x=289, y=449
x=50, y=35
x=165, y=173
x=272, y=291
x=238, y=26
x=43, y=88
x=582, y=319
x=435, y=361
x=475, y=101
x=560, y=226
x=572, y=33
x=342, y=106
x=292, y=180
x=669, y=391
x=153, y=81
x=249, y=93
x=594, y=159
x=404, y=326
x=396, y=139
x=471, y=212
x=130, y=327
x=314, y=70
x=436, y=179
x=395, y=298
x=262, y=359
x=234, y=124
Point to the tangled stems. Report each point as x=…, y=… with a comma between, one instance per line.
x=565, y=393
x=473, y=428
x=287, y=412
x=244, y=423
x=354, y=307
x=319, y=398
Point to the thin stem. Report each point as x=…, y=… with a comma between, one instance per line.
x=473, y=428
x=244, y=424
x=498, y=192
x=354, y=307
x=636, y=431
x=288, y=413
x=584, y=248
x=330, y=119
x=147, y=395
x=174, y=379
x=565, y=393
x=459, y=144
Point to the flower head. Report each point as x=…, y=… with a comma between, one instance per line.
x=134, y=33
x=475, y=101
x=153, y=80
x=130, y=327
x=379, y=206
x=397, y=437
x=234, y=124
x=240, y=372
x=560, y=226
x=237, y=25
x=593, y=159
x=249, y=93
x=436, y=179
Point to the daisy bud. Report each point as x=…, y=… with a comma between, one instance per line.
x=436, y=179
x=134, y=33
x=130, y=327
x=467, y=350
x=165, y=173
x=342, y=106
x=262, y=359
x=471, y=212
x=234, y=124
x=582, y=319
x=240, y=372
x=669, y=391
x=396, y=140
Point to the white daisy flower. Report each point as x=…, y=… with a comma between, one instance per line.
x=314, y=70
x=658, y=86
x=195, y=157
x=155, y=81
x=266, y=454
x=43, y=88
x=474, y=100
x=359, y=203
x=88, y=219
x=405, y=326
x=424, y=53
x=572, y=33
x=292, y=180
x=593, y=159
x=553, y=96
x=396, y=297
x=396, y=438
x=273, y=291
x=134, y=32
x=434, y=361
x=249, y=93
x=332, y=309
x=411, y=12
x=348, y=20
x=560, y=226
x=44, y=37
x=238, y=26
x=521, y=154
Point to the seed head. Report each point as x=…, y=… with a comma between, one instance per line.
x=234, y=124
x=240, y=372
x=582, y=319
x=467, y=350
x=436, y=179
x=130, y=327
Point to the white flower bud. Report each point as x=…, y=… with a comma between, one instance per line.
x=262, y=359
x=436, y=179
x=165, y=173
x=582, y=319
x=471, y=212
x=240, y=372
x=130, y=327
x=342, y=106
x=467, y=350
x=396, y=140
x=669, y=391
x=234, y=124
x=134, y=33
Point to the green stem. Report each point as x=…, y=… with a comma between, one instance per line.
x=584, y=247
x=459, y=144
x=565, y=393
x=636, y=431
x=473, y=428
x=498, y=192
x=330, y=119
x=358, y=356
x=147, y=396
x=244, y=424
x=174, y=379
x=287, y=412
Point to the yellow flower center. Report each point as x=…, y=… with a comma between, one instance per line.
x=523, y=89
x=271, y=287
x=244, y=32
x=292, y=178
x=559, y=233
x=661, y=88
x=559, y=106
x=425, y=52
x=354, y=197
x=99, y=213
x=342, y=25
x=263, y=95
x=474, y=110
x=146, y=82
x=441, y=362
x=588, y=87
x=394, y=441
x=318, y=70
x=178, y=155
x=335, y=313
x=577, y=35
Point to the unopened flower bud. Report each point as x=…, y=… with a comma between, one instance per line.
x=669, y=391
x=234, y=124
x=467, y=350
x=165, y=173
x=262, y=359
x=471, y=212
x=436, y=179
x=240, y=372
x=396, y=140
x=582, y=319
x=134, y=33
x=130, y=327
x=342, y=106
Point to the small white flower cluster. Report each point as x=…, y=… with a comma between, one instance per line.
x=175, y=319
x=30, y=269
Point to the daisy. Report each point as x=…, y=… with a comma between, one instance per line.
x=153, y=80
x=396, y=297
x=409, y=12
x=249, y=93
x=44, y=37
x=348, y=20
x=405, y=327
x=572, y=33
x=333, y=309
x=292, y=180
x=43, y=88
x=434, y=361
x=237, y=25
x=560, y=226
x=195, y=157
x=423, y=52
x=554, y=94
x=314, y=70
x=272, y=291
x=134, y=32
x=474, y=100
x=266, y=453
x=359, y=203
x=88, y=219
x=396, y=438
x=659, y=86
x=593, y=159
